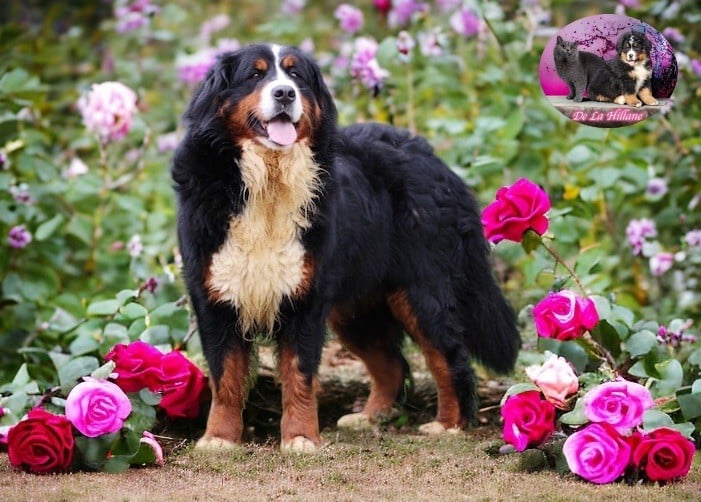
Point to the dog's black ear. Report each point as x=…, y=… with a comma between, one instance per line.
x=621, y=40
x=208, y=98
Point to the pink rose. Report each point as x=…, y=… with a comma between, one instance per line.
x=150, y=440
x=108, y=110
x=517, y=208
x=664, y=454
x=556, y=379
x=528, y=419
x=138, y=366
x=619, y=403
x=97, y=407
x=182, y=386
x=598, y=453
x=564, y=315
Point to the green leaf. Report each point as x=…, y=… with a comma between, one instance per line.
x=576, y=416
x=150, y=398
x=531, y=240
x=126, y=445
x=654, y=419
x=640, y=343
x=145, y=456
x=695, y=357
x=672, y=376
x=132, y=311
x=518, y=389
x=142, y=416
x=126, y=294
x=94, y=450
x=47, y=229
x=156, y=335
x=72, y=371
x=690, y=404
x=103, y=308
x=83, y=344
x=104, y=371
x=116, y=465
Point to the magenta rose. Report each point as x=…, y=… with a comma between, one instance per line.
x=138, y=366
x=97, y=407
x=182, y=385
x=41, y=443
x=528, y=419
x=598, y=453
x=516, y=208
x=564, y=315
x=664, y=455
x=619, y=403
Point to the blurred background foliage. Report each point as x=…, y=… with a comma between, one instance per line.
x=80, y=285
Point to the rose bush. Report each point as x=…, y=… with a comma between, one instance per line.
x=528, y=419
x=97, y=407
x=41, y=443
x=564, y=315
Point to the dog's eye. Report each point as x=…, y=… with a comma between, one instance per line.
x=293, y=73
x=256, y=75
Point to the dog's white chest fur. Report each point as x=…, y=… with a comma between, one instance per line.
x=641, y=74
x=262, y=260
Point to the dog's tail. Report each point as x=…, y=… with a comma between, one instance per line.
x=490, y=323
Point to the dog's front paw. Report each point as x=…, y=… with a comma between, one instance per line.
x=209, y=443
x=620, y=100
x=298, y=445
x=355, y=422
x=438, y=429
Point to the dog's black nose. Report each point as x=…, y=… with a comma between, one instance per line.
x=284, y=94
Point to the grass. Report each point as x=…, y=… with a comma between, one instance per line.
x=353, y=466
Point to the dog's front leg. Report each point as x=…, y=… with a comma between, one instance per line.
x=298, y=363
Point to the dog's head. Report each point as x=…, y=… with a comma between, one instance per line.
x=633, y=47
x=268, y=93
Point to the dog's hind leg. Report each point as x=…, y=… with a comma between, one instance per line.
x=446, y=357
x=371, y=333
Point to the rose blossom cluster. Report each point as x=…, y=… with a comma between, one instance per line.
x=131, y=16
x=612, y=444
x=44, y=442
x=142, y=366
x=364, y=65
x=108, y=110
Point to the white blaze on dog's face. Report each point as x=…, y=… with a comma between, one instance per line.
x=631, y=55
x=280, y=105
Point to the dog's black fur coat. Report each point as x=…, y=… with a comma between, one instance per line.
x=389, y=217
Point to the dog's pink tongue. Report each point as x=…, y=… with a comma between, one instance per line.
x=282, y=132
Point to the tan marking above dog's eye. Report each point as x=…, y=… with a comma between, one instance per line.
x=288, y=62
x=261, y=65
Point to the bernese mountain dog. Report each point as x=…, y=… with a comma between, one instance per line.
x=627, y=77
x=288, y=225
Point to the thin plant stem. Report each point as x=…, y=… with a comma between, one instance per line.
x=560, y=260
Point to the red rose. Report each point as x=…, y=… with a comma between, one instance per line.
x=664, y=454
x=564, y=315
x=182, y=384
x=517, y=208
x=138, y=366
x=41, y=443
x=528, y=419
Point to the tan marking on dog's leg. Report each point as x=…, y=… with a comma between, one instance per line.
x=602, y=98
x=225, y=421
x=632, y=100
x=300, y=423
x=647, y=97
x=448, y=414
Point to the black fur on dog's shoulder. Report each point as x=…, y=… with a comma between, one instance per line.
x=392, y=242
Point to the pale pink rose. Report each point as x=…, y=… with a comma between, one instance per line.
x=108, y=110
x=620, y=403
x=556, y=379
x=150, y=440
x=97, y=407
